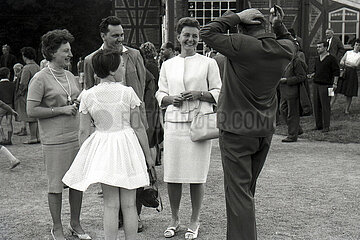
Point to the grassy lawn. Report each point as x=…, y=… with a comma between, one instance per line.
x=343, y=128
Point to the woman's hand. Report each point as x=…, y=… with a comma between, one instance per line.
x=13, y=112
x=70, y=109
x=191, y=95
x=177, y=100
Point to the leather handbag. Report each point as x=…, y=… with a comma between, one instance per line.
x=150, y=196
x=203, y=126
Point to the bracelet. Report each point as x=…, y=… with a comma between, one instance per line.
x=201, y=94
x=52, y=110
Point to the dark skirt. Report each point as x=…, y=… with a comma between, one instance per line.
x=348, y=84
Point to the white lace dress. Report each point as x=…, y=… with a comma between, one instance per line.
x=112, y=154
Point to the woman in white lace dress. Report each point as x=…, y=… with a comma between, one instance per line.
x=116, y=154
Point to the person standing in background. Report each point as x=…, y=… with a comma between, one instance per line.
x=29, y=70
x=335, y=46
x=167, y=51
x=80, y=70
x=17, y=98
x=7, y=90
x=3, y=150
x=8, y=60
x=348, y=83
x=326, y=76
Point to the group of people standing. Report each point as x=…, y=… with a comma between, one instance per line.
x=334, y=73
x=102, y=134
x=15, y=78
x=109, y=133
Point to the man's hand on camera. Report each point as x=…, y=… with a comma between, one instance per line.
x=250, y=16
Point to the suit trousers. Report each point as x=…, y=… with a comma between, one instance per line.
x=289, y=109
x=243, y=157
x=321, y=102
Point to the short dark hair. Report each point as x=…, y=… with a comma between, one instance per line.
x=105, y=22
x=253, y=27
x=187, y=22
x=28, y=52
x=105, y=61
x=170, y=45
x=4, y=72
x=325, y=43
x=52, y=40
x=355, y=41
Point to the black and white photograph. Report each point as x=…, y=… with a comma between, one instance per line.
x=179, y=119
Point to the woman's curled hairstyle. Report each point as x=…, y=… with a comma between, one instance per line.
x=105, y=61
x=187, y=22
x=52, y=40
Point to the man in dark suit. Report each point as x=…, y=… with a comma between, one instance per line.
x=336, y=47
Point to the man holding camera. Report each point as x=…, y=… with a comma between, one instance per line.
x=247, y=105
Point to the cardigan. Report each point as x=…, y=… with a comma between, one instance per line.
x=194, y=73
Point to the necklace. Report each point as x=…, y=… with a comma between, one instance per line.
x=67, y=93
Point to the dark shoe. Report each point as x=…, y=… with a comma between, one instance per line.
x=32, y=141
x=300, y=132
x=326, y=130
x=140, y=226
x=6, y=142
x=289, y=139
x=22, y=132
x=317, y=128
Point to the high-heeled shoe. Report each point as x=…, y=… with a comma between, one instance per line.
x=82, y=236
x=53, y=235
x=192, y=234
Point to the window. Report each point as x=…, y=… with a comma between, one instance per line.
x=206, y=10
x=345, y=23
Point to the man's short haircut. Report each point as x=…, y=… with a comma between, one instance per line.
x=170, y=45
x=187, y=22
x=28, y=52
x=105, y=22
x=355, y=41
x=325, y=43
x=4, y=72
x=52, y=40
x=253, y=27
x=105, y=61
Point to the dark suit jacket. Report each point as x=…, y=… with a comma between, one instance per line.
x=336, y=48
x=295, y=74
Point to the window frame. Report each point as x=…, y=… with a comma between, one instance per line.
x=343, y=22
x=202, y=19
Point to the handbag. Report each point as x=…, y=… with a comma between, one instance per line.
x=150, y=196
x=203, y=126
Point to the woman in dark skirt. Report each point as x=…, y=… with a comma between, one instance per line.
x=348, y=83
